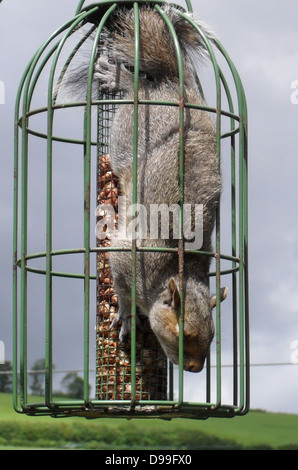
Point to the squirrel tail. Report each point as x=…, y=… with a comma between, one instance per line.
x=157, y=49
x=157, y=54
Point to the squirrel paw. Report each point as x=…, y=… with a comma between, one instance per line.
x=115, y=322
x=125, y=326
x=125, y=330
x=105, y=73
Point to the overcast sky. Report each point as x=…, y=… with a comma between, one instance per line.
x=262, y=39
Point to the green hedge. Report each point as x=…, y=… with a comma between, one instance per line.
x=86, y=435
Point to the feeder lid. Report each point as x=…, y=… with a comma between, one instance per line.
x=105, y=4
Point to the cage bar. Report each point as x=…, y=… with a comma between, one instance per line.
x=137, y=381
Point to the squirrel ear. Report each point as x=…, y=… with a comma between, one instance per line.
x=175, y=296
x=223, y=295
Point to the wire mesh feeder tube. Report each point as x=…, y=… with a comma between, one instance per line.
x=115, y=380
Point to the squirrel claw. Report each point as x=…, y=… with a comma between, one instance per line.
x=115, y=322
x=105, y=72
x=125, y=326
x=125, y=330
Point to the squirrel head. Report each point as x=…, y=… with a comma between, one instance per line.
x=198, y=330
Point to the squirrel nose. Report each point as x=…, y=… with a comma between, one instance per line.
x=194, y=366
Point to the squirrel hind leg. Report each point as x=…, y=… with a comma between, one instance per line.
x=106, y=73
x=112, y=75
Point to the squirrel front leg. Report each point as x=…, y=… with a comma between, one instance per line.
x=123, y=316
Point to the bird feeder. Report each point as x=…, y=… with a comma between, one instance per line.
x=63, y=293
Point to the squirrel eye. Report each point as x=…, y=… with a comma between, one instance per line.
x=129, y=68
x=143, y=75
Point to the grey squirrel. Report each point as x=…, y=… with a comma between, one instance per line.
x=157, y=291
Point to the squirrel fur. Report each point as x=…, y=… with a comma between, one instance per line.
x=157, y=280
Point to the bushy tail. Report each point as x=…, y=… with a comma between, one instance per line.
x=157, y=49
x=157, y=54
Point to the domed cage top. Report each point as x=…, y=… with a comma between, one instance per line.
x=63, y=295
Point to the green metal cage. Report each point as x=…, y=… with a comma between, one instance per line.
x=57, y=290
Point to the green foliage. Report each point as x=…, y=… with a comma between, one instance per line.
x=36, y=379
x=74, y=385
x=6, y=379
x=257, y=430
x=89, y=436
